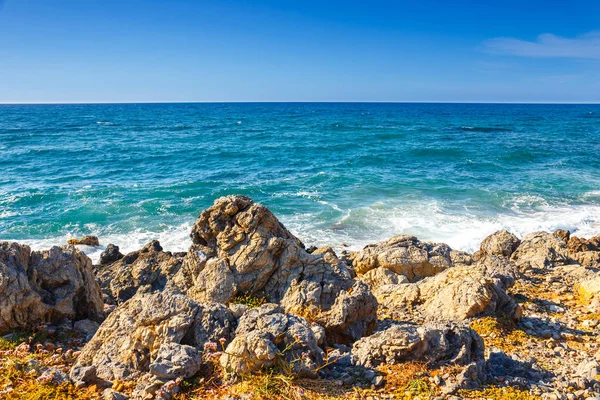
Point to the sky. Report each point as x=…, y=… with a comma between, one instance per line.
x=299, y=50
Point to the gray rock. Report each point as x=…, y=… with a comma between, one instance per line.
x=45, y=287
x=501, y=243
x=110, y=255
x=382, y=276
x=53, y=375
x=174, y=360
x=86, y=326
x=540, y=250
x=110, y=394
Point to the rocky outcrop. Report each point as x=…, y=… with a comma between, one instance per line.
x=382, y=276
x=145, y=332
x=501, y=243
x=86, y=241
x=589, y=288
x=110, y=254
x=540, y=250
x=405, y=255
x=562, y=234
x=436, y=344
x=265, y=337
x=145, y=270
x=456, y=294
x=45, y=286
x=239, y=247
x=585, y=251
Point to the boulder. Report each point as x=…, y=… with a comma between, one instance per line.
x=239, y=247
x=456, y=294
x=405, y=255
x=110, y=255
x=45, y=287
x=540, y=250
x=266, y=337
x=145, y=270
x=562, y=234
x=86, y=241
x=175, y=360
x=382, y=276
x=585, y=251
x=435, y=344
x=589, y=288
x=501, y=243
x=132, y=337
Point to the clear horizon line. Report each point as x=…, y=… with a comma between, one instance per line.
x=305, y=102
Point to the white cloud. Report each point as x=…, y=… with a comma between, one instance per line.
x=548, y=45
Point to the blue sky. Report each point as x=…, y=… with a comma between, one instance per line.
x=267, y=50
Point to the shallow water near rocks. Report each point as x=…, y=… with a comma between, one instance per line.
x=338, y=174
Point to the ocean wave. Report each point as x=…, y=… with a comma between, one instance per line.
x=483, y=129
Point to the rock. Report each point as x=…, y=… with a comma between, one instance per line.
x=266, y=336
x=576, y=245
x=540, y=250
x=111, y=394
x=86, y=241
x=148, y=269
x=382, y=276
x=405, y=255
x=456, y=294
x=590, y=287
x=174, y=360
x=587, y=258
x=588, y=369
x=562, y=234
x=86, y=326
x=110, y=255
x=129, y=340
x=437, y=344
x=239, y=247
x=501, y=243
x=45, y=287
x=83, y=374
x=461, y=257
x=53, y=375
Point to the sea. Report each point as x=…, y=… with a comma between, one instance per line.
x=339, y=174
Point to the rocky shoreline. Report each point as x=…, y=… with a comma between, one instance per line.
x=399, y=319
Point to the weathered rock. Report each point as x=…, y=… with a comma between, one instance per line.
x=266, y=336
x=562, y=234
x=589, y=288
x=110, y=255
x=146, y=270
x=45, y=287
x=437, y=344
x=239, y=247
x=456, y=294
x=174, y=360
x=461, y=257
x=382, y=276
x=540, y=250
x=86, y=326
x=576, y=244
x=129, y=340
x=405, y=255
x=501, y=243
x=53, y=375
x=86, y=240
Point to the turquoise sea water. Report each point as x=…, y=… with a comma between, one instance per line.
x=333, y=173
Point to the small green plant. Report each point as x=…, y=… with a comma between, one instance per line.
x=250, y=300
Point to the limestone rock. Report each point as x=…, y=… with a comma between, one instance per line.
x=86, y=326
x=501, y=243
x=239, y=247
x=405, y=255
x=456, y=294
x=461, y=257
x=174, y=360
x=382, y=276
x=148, y=269
x=562, y=234
x=540, y=250
x=266, y=336
x=585, y=251
x=110, y=254
x=437, y=344
x=129, y=340
x=86, y=241
x=590, y=287
x=45, y=287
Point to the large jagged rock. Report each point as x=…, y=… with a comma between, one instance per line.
x=540, y=250
x=589, y=288
x=267, y=337
x=142, y=331
x=585, y=251
x=501, y=243
x=45, y=286
x=437, y=344
x=239, y=247
x=405, y=255
x=382, y=276
x=145, y=270
x=456, y=294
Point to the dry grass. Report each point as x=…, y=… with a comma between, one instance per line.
x=497, y=393
x=501, y=333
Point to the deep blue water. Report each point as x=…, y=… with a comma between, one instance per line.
x=333, y=173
